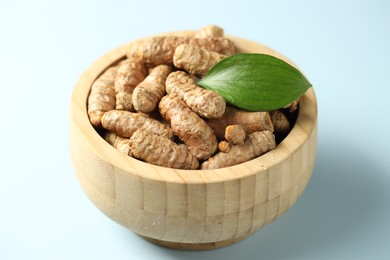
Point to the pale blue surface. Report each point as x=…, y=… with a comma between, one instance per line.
x=343, y=48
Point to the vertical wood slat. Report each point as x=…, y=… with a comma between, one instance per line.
x=155, y=207
x=215, y=211
x=261, y=197
x=129, y=203
x=232, y=207
x=196, y=216
x=247, y=202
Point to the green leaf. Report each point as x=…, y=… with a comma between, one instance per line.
x=256, y=82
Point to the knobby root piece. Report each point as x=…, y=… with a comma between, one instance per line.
x=280, y=122
x=196, y=61
x=125, y=123
x=189, y=127
x=149, y=92
x=161, y=151
x=119, y=143
x=256, y=144
x=224, y=146
x=235, y=134
x=205, y=103
x=250, y=121
x=209, y=31
x=150, y=70
x=159, y=50
x=130, y=73
x=102, y=96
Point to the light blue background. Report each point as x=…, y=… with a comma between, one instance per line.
x=343, y=48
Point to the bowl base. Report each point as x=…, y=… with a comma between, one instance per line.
x=194, y=246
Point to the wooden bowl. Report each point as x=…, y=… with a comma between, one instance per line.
x=191, y=209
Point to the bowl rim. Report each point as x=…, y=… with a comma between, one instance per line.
x=304, y=126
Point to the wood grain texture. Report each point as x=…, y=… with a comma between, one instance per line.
x=191, y=209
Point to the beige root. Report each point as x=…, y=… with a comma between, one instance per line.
x=102, y=96
x=189, y=127
x=205, y=103
x=250, y=121
x=196, y=61
x=125, y=123
x=161, y=151
x=209, y=31
x=159, y=50
x=119, y=143
x=256, y=144
x=235, y=134
x=280, y=122
x=130, y=73
x=149, y=92
x=224, y=146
